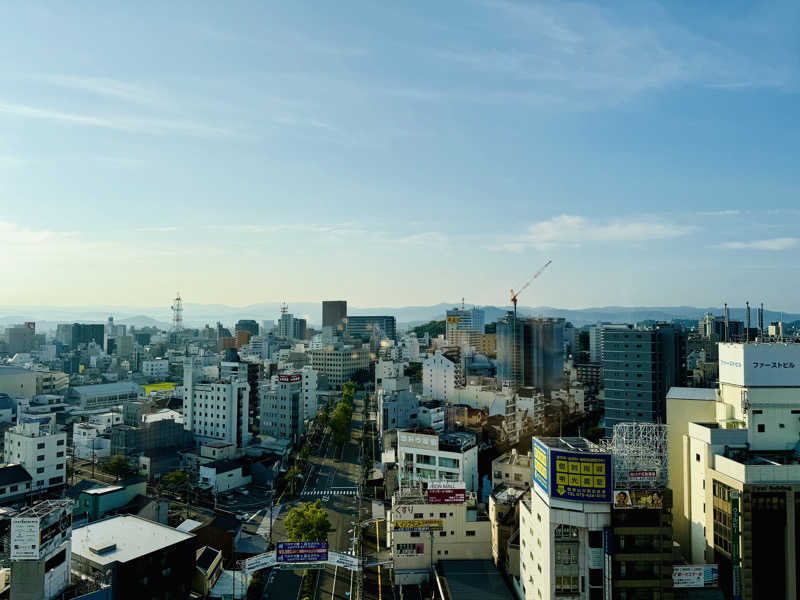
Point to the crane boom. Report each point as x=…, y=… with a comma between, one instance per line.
x=524, y=287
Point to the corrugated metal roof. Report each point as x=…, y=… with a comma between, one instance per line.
x=106, y=389
x=688, y=393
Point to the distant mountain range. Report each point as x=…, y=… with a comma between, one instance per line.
x=197, y=315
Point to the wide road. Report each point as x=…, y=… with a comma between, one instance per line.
x=335, y=480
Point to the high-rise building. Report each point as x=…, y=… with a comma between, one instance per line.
x=438, y=377
x=596, y=344
x=247, y=325
x=534, y=355
x=299, y=327
x=21, y=337
x=252, y=373
x=362, y=326
x=465, y=318
x=215, y=411
x=735, y=454
x=282, y=410
x=334, y=314
x=640, y=365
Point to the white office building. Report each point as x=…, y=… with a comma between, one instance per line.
x=561, y=526
x=397, y=410
x=157, y=368
x=339, y=363
x=282, y=410
x=215, y=411
x=423, y=455
x=438, y=377
x=34, y=444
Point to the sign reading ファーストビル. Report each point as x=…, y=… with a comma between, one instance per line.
x=767, y=365
x=581, y=476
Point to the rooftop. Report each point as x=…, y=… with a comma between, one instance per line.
x=570, y=444
x=514, y=458
x=688, y=393
x=106, y=389
x=123, y=538
x=11, y=474
x=473, y=580
x=506, y=494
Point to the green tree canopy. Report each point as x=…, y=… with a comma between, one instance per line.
x=118, y=466
x=307, y=523
x=176, y=479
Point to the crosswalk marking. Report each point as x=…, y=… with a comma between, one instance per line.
x=330, y=492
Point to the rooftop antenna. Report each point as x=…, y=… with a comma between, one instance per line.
x=177, y=313
x=747, y=334
x=462, y=302
x=284, y=308
x=725, y=336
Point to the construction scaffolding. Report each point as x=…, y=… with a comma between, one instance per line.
x=639, y=455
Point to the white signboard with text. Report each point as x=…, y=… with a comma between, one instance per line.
x=24, y=537
x=760, y=365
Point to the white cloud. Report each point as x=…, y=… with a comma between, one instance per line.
x=719, y=213
x=112, y=88
x=585, y=55
x=150, y=126
x=774, y=244
x=572, y=231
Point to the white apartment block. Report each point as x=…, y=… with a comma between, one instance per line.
x=432, y=414
x=88, y=441
x=455, y=531
x=398, y=410
x=39, y=450
x=158, y=368
x=438, y=377
x=339, y=364
x=423, y=455
x=216, y=411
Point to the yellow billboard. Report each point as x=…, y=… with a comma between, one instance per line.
x=164, y=386
x=419, y=525
x=453, y=319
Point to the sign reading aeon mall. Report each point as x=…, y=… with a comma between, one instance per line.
x=294, y=378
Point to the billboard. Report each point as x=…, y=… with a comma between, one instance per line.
x=642, y=475
x=541, y=466
x=638, y=499
x=568, y=475
x=454, y=320
x=446, y=492
x=419, y=525
x=296, y=552
x=293, y=378
x=690, y=576
x=346, y=561
x=261, y=561
x=773, y=364
x=24, y=538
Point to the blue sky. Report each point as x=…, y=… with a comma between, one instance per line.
x=400, y=153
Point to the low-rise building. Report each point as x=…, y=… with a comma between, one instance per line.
x=423, y=533
x=223, y=475
x=139, y=558
x=512, y=468
x=42, y=452
x=439, y=377
x=339, y=363
x=104, y=395
x=425, y=455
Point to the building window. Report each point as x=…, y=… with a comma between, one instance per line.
x=697, y=457
x=470, y=533
x=761, y=428
x=60, y=443
x=40, y=457
x=40, y=445
x=39, y=470
x=442, y=534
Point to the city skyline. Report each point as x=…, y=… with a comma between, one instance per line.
x=263, y=152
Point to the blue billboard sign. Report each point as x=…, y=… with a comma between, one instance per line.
x=579, y=476
x=298, y=552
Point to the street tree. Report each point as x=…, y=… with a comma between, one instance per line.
x=307, y=523
x=118, y=466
